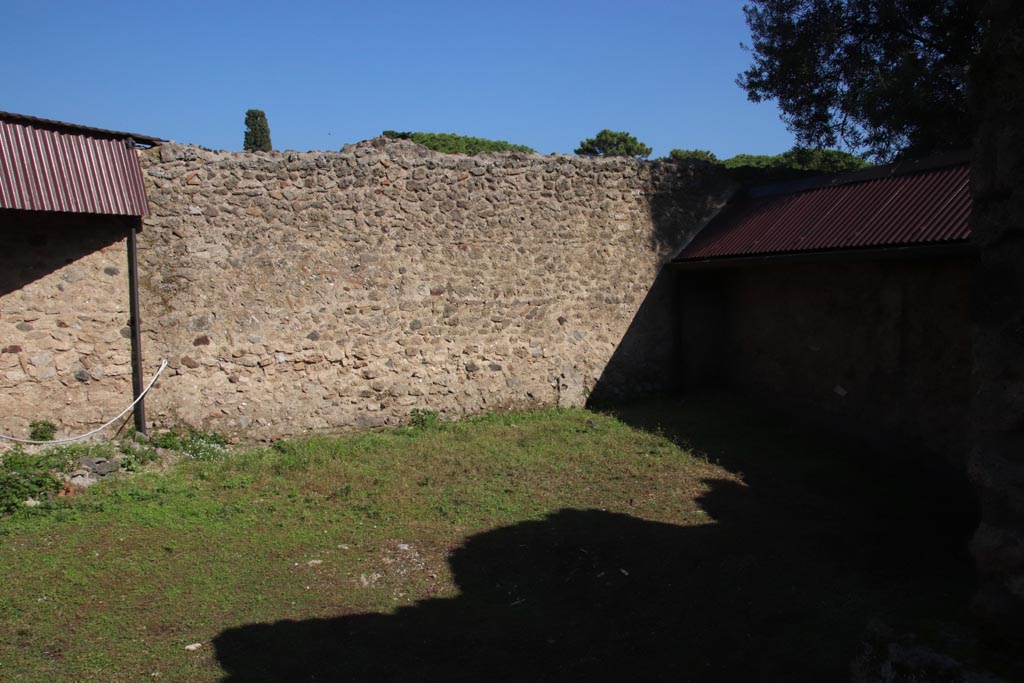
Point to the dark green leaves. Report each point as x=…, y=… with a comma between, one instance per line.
x=610, y=143
x=257, y=132
x=450, y=143
x=877, y=76
x=698, y=154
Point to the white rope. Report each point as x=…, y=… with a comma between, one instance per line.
x=72, y=439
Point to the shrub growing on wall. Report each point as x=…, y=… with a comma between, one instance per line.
x=613, y=143
x=699, y=154
x=450, y=143
x=799, y=159
x=768, y=168
x=257, y=132
x=796, y=163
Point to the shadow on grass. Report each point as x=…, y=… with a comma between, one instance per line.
x=778, y=588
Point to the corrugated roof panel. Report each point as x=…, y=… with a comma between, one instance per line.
x=922, y=207
x=78, y=129
x=45, y=169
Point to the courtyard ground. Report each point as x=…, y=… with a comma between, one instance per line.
x=696, y=539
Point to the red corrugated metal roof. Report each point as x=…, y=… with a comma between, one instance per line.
x=50, y=167
x=63, y=126
x=881, y=208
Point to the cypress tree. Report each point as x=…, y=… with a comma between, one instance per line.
x=257, y=132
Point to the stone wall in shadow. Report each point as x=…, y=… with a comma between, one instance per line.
x=652, y=358
x=876, y=349
x=65, y=355
x=879, y=350
x=673, y=344
x=34, y=244
x=644, y=361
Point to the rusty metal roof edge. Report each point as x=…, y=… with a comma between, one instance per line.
x=35, y=121
x=962, y=246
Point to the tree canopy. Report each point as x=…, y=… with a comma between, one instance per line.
x=796, y=159
x=257, y=132
x=450, y=143
x=796, y=163
x=801, y=159
x=877, y=76
x=611, y=143
x=700, y=154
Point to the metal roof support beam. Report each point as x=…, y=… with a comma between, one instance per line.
x=135, y=224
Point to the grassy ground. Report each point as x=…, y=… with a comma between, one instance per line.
x=696, y=544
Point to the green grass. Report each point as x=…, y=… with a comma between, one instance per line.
x=395, y=554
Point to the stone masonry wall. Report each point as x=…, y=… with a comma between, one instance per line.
x=299, y=292
x=64, y=347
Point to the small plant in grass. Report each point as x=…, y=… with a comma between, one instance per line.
x=284, y=447
x=204, y=446
x=17, y=487
x=424, y=419
x=194, y=443
x=343, y=491
x=41, y=430
x=24, y=476
x=169, y=440
x=135, y=455
x=62, y=456
x=35, y=476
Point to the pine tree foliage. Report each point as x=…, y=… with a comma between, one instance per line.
x=611, y=143
x=450, y=143
x=699, y=154
x=880, y=77
x=801, y=159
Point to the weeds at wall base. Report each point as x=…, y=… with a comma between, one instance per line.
x=35, y=480
x=424, y=419
x=192, y=443
x=41, y=430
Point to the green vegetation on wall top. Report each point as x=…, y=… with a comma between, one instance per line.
x=450, y=143
x=796, y=162
x=613, y=143
x=698, y=154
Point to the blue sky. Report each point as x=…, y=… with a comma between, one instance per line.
x=543, y=74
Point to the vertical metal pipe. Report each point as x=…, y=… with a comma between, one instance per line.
x=134, y=325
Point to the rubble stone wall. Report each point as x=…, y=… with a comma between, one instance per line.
x=299, y=292
x=65, y=355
